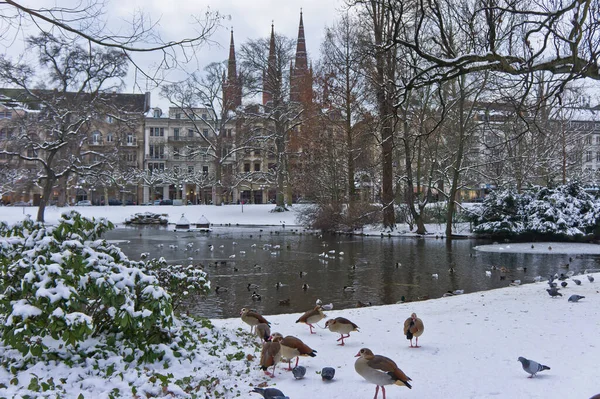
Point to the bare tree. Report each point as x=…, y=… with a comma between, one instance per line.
x=266, y=63
x=52, y=135
x=91, y=21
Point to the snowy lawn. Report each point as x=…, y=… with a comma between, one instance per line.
x=469, y=350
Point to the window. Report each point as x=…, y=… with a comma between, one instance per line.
x=178, y=115
x=598, y=157
x=131, y=139
x=176, y=133
x=131, y=156
x=257, y=167
x=157, y=131
x=31, y=153
x=203, y=117
x=5, y=133
x=110, y=138
x=156, y=151
x=256, y=152
x=588, y=156
x=205, y=170
x=155, y=166
x=271, y=166
x=110, y=119
x=190, y=132
x=190, y=169
x=5, y=114
x=157, y=113
x=96, y=137
x=176, y=152
x=205, y=132
x=228, y=132
x=246, y=167
x=588, y=140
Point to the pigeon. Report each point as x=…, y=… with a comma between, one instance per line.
x=553, y=292
x=270, y=393
x=576, y=281
x=575, y=298
x=563, y=284
x=590, y=278
x=532, y=367
x=327, y=373
x=299, y=372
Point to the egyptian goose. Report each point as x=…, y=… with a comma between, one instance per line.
x=292, y=347
x=263, y=331
x=312, y=316
x=379, y=370
x=413, y=327
x=270, y=356
x=342, y=326
x=252, y=318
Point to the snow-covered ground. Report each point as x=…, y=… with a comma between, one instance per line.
x=248, y=215
x=469, y=350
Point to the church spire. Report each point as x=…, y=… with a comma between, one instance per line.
x=232, y=89
x=270, y=75
x=301, y=57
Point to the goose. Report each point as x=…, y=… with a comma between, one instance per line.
x=342, y=326
x=413, y=327
x=270, y=356
x=292, y=347
x=348, y=288
x=311, y=317
x=252, y=318
x=379, y=370
x=263, y=331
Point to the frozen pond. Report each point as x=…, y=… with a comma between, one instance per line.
x=379, y=270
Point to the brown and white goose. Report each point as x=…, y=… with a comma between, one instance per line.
x=312, y=316
x=270, y=356
x=252, y=318
x=342, y=326
x=379, y=370
x=292, y=347
x=263, y=331
x=413, y=327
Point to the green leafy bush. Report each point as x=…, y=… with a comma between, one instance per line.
x=66, y=283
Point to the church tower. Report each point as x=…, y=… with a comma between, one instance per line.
x=272, y=76
x=232, y=86
x=301, y=76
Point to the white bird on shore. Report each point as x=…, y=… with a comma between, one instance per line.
x=434, y=275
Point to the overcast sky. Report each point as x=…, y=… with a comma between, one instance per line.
x=249, y=20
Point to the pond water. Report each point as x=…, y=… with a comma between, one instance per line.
x=380, y=270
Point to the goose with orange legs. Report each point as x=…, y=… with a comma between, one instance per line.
x=379, y=370
x=311, y=317
x=413, y=327
x=270, y=356
x=252, y=318
x=292, y=347
x=342, y=326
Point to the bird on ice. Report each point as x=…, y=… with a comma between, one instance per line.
x=413, y=327
x=299, y=372
x=590, y=278
x=270, y=356
x=575, y=298
x=379, y=370
x=293, y=347
x=263, y=331
x=532, y=367
x=576, y=281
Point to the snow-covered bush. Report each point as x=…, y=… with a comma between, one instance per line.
x=65, y=284
x=566, y=211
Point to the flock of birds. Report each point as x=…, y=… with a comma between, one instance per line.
x=376, y=369
x=553, y=291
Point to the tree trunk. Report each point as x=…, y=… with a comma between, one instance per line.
x=47, y=192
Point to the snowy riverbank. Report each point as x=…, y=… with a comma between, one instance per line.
x=469, y=350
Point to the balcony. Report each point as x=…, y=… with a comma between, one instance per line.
x=184, y=139
x=159, y=156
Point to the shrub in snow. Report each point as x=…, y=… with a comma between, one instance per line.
x=565, y=211
x=65, y=284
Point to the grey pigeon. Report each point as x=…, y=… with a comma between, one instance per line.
x=299, y=372
x=532, y=367
x=553, y=292
x=591, y=278
x=575, y=298
x=563, y=284
x=327, y=373
x=270, y=393
x=577, y=282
